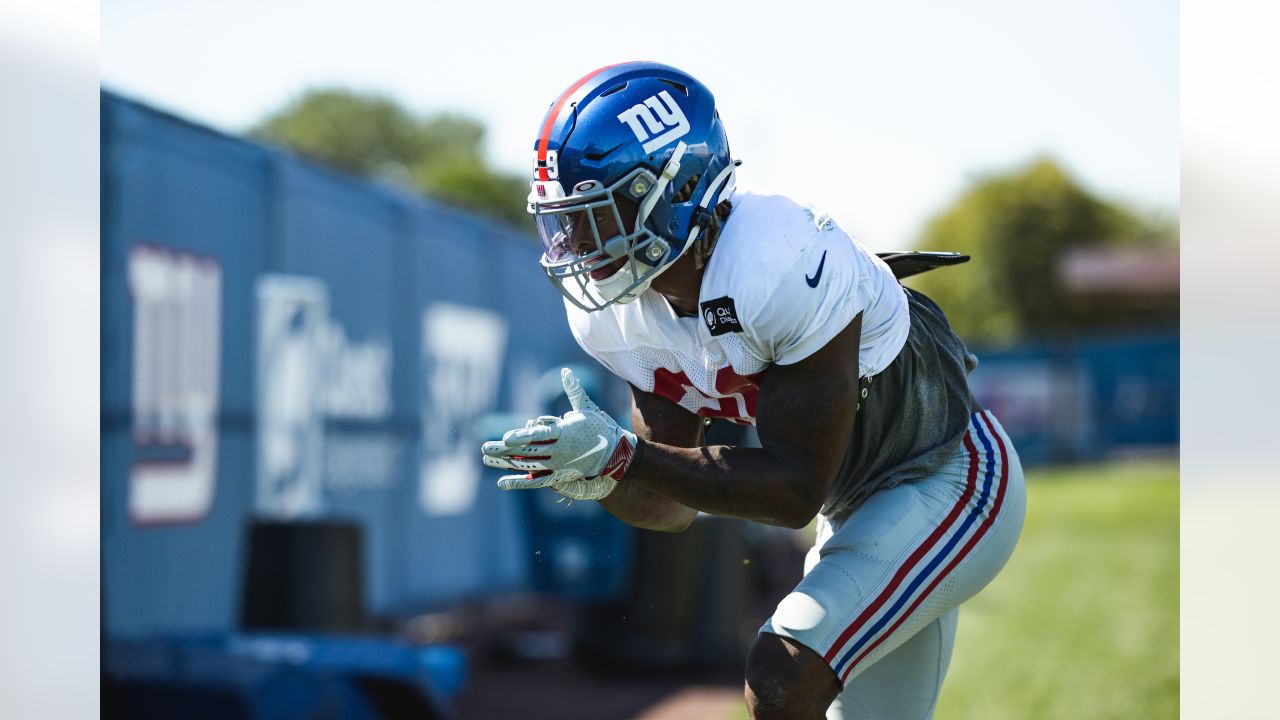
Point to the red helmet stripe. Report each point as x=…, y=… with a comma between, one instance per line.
x=544, y=137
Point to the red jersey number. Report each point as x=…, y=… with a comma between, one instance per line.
x=736, y=400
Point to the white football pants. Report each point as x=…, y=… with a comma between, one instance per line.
x=880, y=596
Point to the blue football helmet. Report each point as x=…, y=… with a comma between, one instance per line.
x=629, y=165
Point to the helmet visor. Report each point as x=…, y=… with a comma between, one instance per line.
x=581, y=232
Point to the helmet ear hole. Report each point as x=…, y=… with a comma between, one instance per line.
x=686, y=192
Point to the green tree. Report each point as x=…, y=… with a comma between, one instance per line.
x=374, y=136
x=1017, y=226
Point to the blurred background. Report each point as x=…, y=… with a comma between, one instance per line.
x=320, y=292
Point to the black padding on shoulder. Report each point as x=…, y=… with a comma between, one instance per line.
x=905, y=264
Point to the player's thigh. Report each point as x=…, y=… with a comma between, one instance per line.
x=855, y=564
x=905, y=683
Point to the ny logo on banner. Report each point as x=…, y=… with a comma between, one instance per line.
x=177, y=355
x=658, y=114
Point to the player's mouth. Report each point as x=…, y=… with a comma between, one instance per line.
x=606, y=271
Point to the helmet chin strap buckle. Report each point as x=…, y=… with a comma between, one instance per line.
x=701, y=218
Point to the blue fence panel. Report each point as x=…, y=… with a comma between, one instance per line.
x=1136, y=390
x=1083, y=401
x=181, y=575
x=177, y=275
x=194, y=195
x=339, y=247
x=464, y=533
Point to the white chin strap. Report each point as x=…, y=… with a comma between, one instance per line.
x=668, y=174
x=618, y=281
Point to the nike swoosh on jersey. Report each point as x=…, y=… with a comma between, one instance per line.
x=603, y=443
x=813, y=281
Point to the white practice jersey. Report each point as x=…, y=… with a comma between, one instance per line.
x=782, y=282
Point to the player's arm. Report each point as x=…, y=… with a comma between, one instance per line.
x=804, y=418
x=656, y=420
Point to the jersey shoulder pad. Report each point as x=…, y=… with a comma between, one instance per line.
x=782, y=274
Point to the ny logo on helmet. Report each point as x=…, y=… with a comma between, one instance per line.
x=653, y=116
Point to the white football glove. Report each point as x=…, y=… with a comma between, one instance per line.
x=581, y=455
x=593, y=489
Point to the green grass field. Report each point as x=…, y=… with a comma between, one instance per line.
x=1083, y=622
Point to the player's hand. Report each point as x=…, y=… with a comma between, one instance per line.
x=582, y=454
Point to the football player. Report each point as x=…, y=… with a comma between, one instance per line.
x=714, y=302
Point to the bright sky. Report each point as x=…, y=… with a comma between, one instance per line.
x=879, y=112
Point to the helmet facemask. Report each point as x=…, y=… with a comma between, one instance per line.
x=564, y=222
